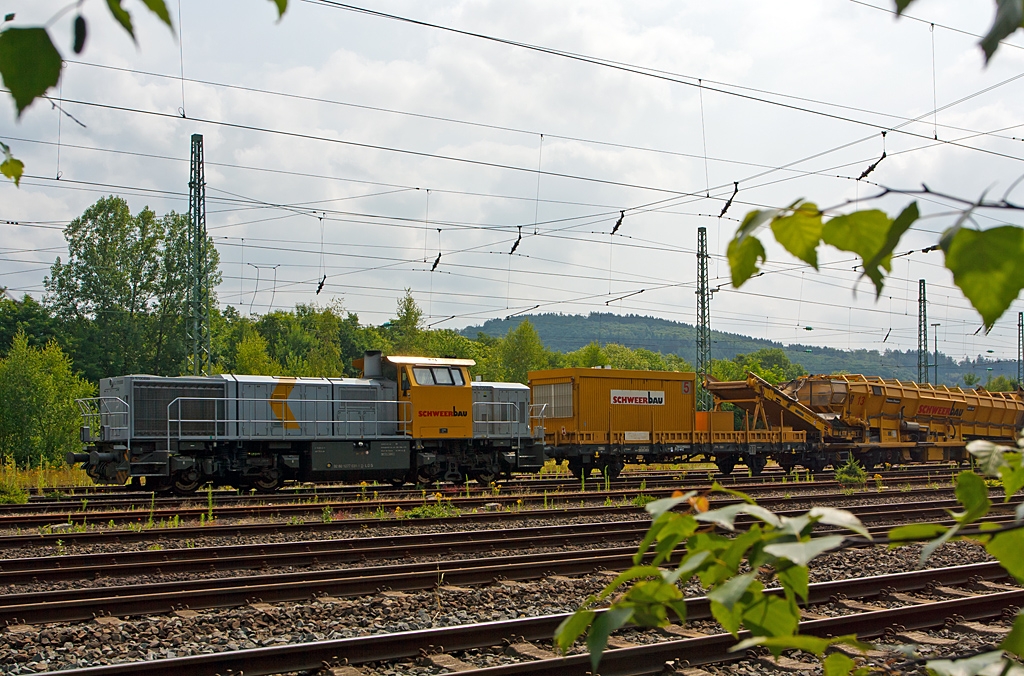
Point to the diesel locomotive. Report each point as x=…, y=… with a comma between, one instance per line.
x=405, y=419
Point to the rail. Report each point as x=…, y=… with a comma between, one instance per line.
x=212, y=418
x=109, y=415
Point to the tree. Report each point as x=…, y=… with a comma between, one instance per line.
x=38, y=416
x=971, y=379
x=521, y=352
x=770, y=363
x=119, y=297
x=404, y=330
x=31, y=65
x=1000, y=384
x=28, y=316
x=251, y=357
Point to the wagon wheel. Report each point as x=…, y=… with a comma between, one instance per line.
x=612, y=468
x=186, y=481
x=756, y=464
x=397, y=483
x=726, y=464
x=578, y=469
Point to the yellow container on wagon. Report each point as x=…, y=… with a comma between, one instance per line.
x=894, y=412
x=603, y=406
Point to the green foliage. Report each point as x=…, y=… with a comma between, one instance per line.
x=251, y=357
x=737, y=598
x=851, y=474
x=771, y=363
x=985, y=265
x=434, y=510
x=11, y=167
x=798, y=229
x=38, y=416
x=29, y=64
x=10, y=492
x=119, y=297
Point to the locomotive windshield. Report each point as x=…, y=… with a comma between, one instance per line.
x=437, y=375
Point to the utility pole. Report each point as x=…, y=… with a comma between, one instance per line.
x=704, y=402
x=197, y=320
x=922, y=334
x=936, y=327
x=1020, y=350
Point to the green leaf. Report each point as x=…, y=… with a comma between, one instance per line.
x=659, y=507
x=282, y=6
x=730, y=592
x=807, y=643
x=972, y=493
x=800, y=232
x=122, y=16
x=883, y=257
x=29, y=64
x=795, y=579
x=159, y=7
x=801, y=553
x=901, y=5
x=1009, y=17
x=985, y=265
x=11, y=167
x=651, y=535
x=1014, y=641
x=1013, y=480
x=929, y=549
x=572, y=627
x=916, y=531
x=719, y=488
x=969, y=666
x=865, y=233
x=1006, y=548
x=743, y=256
x=839, y=517
x=725, y=516
x=988, y=456
x=687, y=567
x=772, y=616
x=631, y=574
x=754, y=220
x=606, y=623
x=837, y=664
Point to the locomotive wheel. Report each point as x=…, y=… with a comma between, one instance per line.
x=814, y=465
x=267, y=483
x=726, y=464
x=185, y=483
x=756, y=464
x=485, y=478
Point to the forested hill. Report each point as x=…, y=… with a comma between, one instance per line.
x=570, y=332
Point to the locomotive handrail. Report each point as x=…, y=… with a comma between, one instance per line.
x=282, y=418
x=97, y=410
x=513, y=418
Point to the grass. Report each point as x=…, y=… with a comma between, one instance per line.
x=14, y=480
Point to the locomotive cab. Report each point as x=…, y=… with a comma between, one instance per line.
x=439, y=396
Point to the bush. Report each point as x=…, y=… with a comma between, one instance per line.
x=39, y=420
x=851, y=474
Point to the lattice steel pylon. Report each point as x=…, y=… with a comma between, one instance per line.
x=704, y=400
x=922, y=334
x=1020, y=349
x=197, y=319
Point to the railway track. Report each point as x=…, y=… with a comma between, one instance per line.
x=966, y=594
x=163, y=597
x=36, y=515
x=66, y=533
x=141, y=498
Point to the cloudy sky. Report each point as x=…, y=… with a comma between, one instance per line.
x=361, y=147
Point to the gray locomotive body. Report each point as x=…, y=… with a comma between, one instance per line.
x=259, y=431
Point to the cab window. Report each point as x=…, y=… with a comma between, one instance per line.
x=438, y=375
